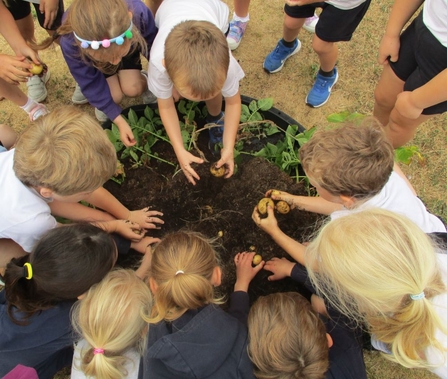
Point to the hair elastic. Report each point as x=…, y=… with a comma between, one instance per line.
x=98, y=351
x=106, y=42
x=419, y=296
x=27, y=271
x=179, y=272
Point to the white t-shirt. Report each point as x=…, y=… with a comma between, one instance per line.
x=25, y=214
x=170, y=14
x=345, y=4
x=397, y=197
x=132, y=364
x=434, y=16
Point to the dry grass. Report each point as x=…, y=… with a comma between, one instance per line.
x=359, y=73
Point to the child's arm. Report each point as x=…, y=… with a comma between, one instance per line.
x=399, y=172
x=307, y=203
x=400, y=14
x=281, y=268
x=269, y=225
x=49, y=8
x=231, y=124
x=8, y=136
x=78, y=212
x=169, y=117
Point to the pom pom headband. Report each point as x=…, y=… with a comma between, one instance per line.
x=106, y=42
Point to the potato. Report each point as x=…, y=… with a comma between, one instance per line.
x=36, y=69
x=275, y=193
x=217, y=172
x=282, y=207
x=257, y=259
x=263, y=203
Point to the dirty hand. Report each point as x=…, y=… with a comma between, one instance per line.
x=245, y=272
x=406, y=107
x=281, y=268
x=144, y=245
x=185, y=158
x=389, y=47
x=281, y=195
x=126, y=134
x=129, y=230
x=145, y=218
x=49, y=8
x=14, y=69
x=227, y=159
x=267, y=224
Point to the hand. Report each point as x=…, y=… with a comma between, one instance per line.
x=129, y=230
x=267, y=224
x=281, y=268
x=185, y=159
x=14, y=69
x=126, y=134
x=406, y=107
x=245, y=272
x=26, y=51
x=145, y=218
x=227, y=159
x=49, y=8
x=389, y=47
x=284, y=196
x=144, y=245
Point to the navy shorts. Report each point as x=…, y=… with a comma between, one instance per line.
x=334, y=24
x=131, y=61
x=421, y=58
x=21, y=9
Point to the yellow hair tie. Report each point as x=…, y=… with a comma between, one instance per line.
x=28, y=271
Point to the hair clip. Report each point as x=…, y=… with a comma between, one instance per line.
x=179, y=272
x=27, y=271
x=419, y=296
x=106, y=42
x=98, y=351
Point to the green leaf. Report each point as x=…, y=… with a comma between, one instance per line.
x=116, y=131
x=271, y=129
x=134, y=155
x=186, y=137
x=265, y=104
x=256, y=116
x=181, y=106
x=148, y=113
x=253, y=106
x=147, y=147
x=355, y=117
x=405, y=154
x=133, y=118
x=338, y=117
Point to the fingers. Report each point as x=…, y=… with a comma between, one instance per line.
x=152, y=240
x=236, y=258
x=255, y=216
x=190, y=174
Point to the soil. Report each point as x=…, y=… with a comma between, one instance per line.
x=218, y=206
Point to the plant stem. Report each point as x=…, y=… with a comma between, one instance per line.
x=153, y=156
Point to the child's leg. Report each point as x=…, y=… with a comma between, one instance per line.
x=214, y=105
x=8, y=136
x=327, y=53
x=115, y=88
x=291, y=28
x=239, y=23
x=8, y=250
x=132, y=82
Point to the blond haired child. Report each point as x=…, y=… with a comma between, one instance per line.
x=60, y=159
x=109, y=319
x=411, y=88
x=189, y=335
x=101, y=42
x=352, y=168
x=380, y=268
x=190, y=58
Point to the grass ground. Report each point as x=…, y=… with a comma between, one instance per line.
x=359, y=73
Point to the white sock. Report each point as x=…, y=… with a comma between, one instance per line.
x=243, y=19
x=29, y=106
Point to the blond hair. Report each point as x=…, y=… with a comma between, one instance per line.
x=287, y=338
x=197, y=57
x=110, y=317
x=66, y=151
x=369, y=263
x=351, y=160
x=95, y=21
x=182, y=267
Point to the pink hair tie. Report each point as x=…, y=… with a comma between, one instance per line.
x=98, y=351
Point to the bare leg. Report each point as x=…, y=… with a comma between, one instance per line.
x=132, y=83
x=241, y=7
x=327, y=53
x=292, y=27
x=13, y=93
x=115, y=88
x=8, y=250
x=214, y=105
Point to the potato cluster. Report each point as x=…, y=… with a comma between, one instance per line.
x=280, y=206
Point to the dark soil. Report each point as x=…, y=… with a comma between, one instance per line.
x=215, y=205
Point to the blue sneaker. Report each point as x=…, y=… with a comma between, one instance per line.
x=274, y=62
x=216, y=134
x=321, y=90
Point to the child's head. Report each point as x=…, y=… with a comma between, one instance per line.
x=96, y=24
x=372, y=265
x=110, y=319
x=287, y=339
x=351, y=160
x=197, y=59
x=184, y=271
x=66, y=152
x=63, y=265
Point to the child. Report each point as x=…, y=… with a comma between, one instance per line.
x=351, y=168
x=58, y=160
x=380, y=268
x=14, y=70
x=40, y=289
x=101, y=42
x=338, y=21
x=287, y=338
x=8, y=137
x=190, y=58
x=109, y=318
x=411, y=89
x=189, y=335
